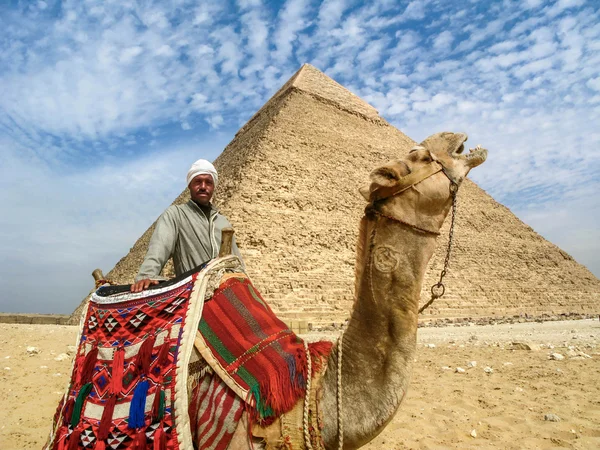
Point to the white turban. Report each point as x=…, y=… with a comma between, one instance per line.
x=202, y=167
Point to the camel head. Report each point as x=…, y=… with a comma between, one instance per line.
x=417, y=190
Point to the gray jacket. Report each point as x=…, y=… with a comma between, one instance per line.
x=185, y=233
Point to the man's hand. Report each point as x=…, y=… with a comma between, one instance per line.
x=142, y=285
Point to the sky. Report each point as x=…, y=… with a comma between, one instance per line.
x=104, y=104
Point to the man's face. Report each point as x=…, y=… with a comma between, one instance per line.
x=201, y=189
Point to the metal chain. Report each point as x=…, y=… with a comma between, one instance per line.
x=438, y=289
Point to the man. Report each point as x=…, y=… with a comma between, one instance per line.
x=190, y=233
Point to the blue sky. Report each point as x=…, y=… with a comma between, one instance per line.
x=104, y=104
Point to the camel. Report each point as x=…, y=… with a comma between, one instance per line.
x=396, y=241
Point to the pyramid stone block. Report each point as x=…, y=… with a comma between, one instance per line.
x=289, y=184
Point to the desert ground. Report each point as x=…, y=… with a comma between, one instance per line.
x=502, y=397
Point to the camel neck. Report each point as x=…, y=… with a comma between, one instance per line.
x=380, y=338
x=387, y=299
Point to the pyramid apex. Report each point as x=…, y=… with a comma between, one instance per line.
x=311, y=80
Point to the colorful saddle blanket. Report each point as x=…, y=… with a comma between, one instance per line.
x=129, y=383
x=254, y=352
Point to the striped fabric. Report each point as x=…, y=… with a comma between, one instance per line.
x=215, y=411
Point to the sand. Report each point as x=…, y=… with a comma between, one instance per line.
x=443, y=409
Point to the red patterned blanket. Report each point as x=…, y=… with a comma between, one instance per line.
x=254, y=352
x=129, y=383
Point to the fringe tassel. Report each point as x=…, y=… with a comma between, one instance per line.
x=138, y=405
x=144, y=356
x=158, y=407
x=262, y=407
x=160, y=439
x=319, y=351
x=61, y=443
x=139, y=440
x=100, y=444
x=163, y=354
x=68, y=410
x=117, y=370
x=74, y=439
x=276, y=395
x=87, y=370
x=161, y=405
x=83, y=393
x=107, y=414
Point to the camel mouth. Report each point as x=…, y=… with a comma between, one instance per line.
x=458, y=144
x=476, y=156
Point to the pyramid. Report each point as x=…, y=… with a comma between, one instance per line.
x=289, y=184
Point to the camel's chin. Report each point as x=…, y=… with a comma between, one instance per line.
x=476, y=156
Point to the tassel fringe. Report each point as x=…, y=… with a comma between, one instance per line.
x=87, y=370
x=139, y=441
x=160, y=439
x=117, y=371
x=276, y=396
x=74, y=439
x=163, y=355
x=83, y=393
x=319, y=352
x=68, y=410
x=138, y=405
x=106, y=419
x=144, y=356
x=61, y=443
x=158, y=407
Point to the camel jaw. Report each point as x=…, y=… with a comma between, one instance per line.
x=476, y=156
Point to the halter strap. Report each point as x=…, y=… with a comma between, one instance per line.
x=408, y=181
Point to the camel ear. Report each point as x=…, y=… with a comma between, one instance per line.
x=383, y=178
x=365, y=192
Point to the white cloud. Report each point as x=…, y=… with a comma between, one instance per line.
x=443, y=41
x=533, y=3
x=330, y=13
x=255, y=29
x=594, y=83
x=533, y=67
x=434, y=103
x=372, y=53
x=414, y=10
x=215, y=121
x=292, y=20
x=562, y=5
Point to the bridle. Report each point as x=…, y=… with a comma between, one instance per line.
x=407, y=182
x=438, y=289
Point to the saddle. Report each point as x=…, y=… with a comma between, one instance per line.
x=130, y=385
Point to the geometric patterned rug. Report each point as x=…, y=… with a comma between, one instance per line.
x=128, y=387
